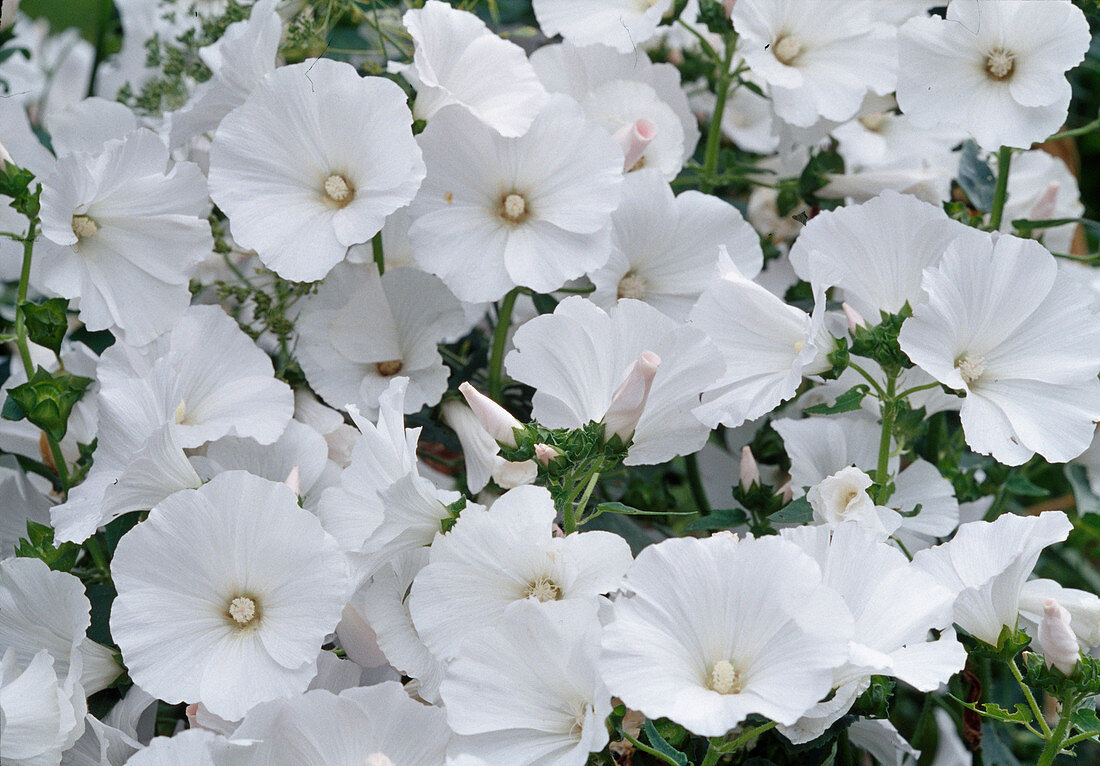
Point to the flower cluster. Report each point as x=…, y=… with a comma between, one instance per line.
x=680, y=386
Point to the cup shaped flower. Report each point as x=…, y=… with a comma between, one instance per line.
x=995, y=69
x=710, y=631
x=528, y=689
x=986, y=565
x=191, y=747
x=1003, y=324
x=457, y=59
x=842, y=498
x=665, y=248
x=578, y=357
x=877, y=252
x=41, y=713
x=767, y=345
x=369, y=725
x=245, y=585
x=499, y=212
x=122, y=235
x=622, y=24
x=312, y=163
x=508, y=553
x=820, y=63
x=360, y=330
x=1042, y=188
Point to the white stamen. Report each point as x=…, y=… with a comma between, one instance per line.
x=392, y=367
x=544, y=589
x=786, y=49
x=84, y=227
x=971, y=370
x=515, y=206
x=243, y=610
x=1000, y=63
x=724, y=678
x=181, y=412
x=338, y=189
x=632, y=286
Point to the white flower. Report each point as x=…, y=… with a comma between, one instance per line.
x=820, y=62
x=499, y=212
x=44, y=72
x=882, y=139
x=1083, y=607
x=665, y=248
x=622, y=24
x=528, y=689
x=1056, y=639
x=245, y=585
x=238, y=60
x=360, y=330
x=368, y=726
x=579, y=356
x=480, y=451
x=22, y=499
x=122, y=235
x=877, y=252
x=88, y=125
x=1005, y=325
x=458, y=60
x=842, y=497
x=1042, y=188
x=767, y=346
x=41, y=714
x=995, y=69
x=193, y=747
x=495, y=557
x=710, y=631
x=986, y=565
x=312, y=163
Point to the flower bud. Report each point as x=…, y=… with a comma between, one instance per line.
x=750, y=471
x=1057, y=639
x=4, y=156
x=294, y=481
x=494, y=418
x=629, y=401
x=544, y=453
x=855, y=320
x=634, y=139
x=509, y=475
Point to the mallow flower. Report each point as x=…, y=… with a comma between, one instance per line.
x=245, y=585
x=1003, y=324
x=622, y=24
x=535, y=211
x=1083, y=608
x=708, y=632
x=994, y=68
x=41, y=713
x=122, y=235
x=842, y=498
x=579, y=358
x=311, y=163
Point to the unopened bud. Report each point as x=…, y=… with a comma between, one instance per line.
x=750, y=471
x=634, y=139
x=294, y=480
x=855, y=319
x=1056, y=638
x=495, y=419
x=1044, y=206
x=629, y=401
x=4, y=156
x=508, y=474
x=544, y=453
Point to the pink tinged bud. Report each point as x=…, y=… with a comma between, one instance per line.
x=544, y=453
x=294, y=480
x=191, y=711
x=1056, y=638
x=855, y=319
x=634, y=139
x=629, y=401
x=1043, y=209
x=493, y=418
x=750, y=471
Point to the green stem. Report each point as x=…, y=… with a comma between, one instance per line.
x=744, y=738
x=1035, y=710
x=695, y=482
x=714, y=133
x=1000, y=192
x=889, y=411
x=1058, y=736
x=99, y=556
x=500, y=337
x=713, y=752
x=916, y=389
x=578, y=509
x=649, y=750
x=1076, y=131
x=869, y=378
x=379, y=258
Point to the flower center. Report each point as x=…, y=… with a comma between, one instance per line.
x=84, y=227
x=632, y=286
x=724, y=678
x=971, y=370
x=544, y=589
x=338, y=190
x=378, y=759
x=581, y=710
x=873, y=122
x=242, y=610
x=181, y=412
x=786, y=49
x=1000, y=64
x=392, y=367
x=513, y=208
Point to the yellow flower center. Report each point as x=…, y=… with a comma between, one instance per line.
x=786, y=49
x=544, y=589
x=242, y=610
x=338, y=190
x=724, y=678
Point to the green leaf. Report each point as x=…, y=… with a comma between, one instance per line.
x=1085, y=719
x=46, y=400
x=47, y=322
x=715, y=17
x=795, y=512
x=38, y=544
x=975, y=177
x=723, y=518
x=847, y=402
x=1020, y=485
x=662, y=746
x=544, y=304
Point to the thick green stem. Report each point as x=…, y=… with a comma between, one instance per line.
x=500, y=337
x=577, y=511
x=1058, y=736
x=889, y=412
x=1035, y=710
x=713, y=752
x=695, y=482
x=1000, y=192
x=714, y=133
